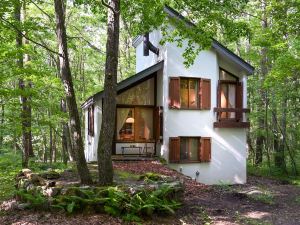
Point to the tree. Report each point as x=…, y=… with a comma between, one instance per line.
x=66, y=77
x=105, y=143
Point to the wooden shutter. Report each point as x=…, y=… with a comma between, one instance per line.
x=239, y=101
x=205, y=149
x=205, y=93
x=157, y=122
x=91, y=120
x=174, y=93
x=174, y=149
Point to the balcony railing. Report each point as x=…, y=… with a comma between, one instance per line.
x=235, y=120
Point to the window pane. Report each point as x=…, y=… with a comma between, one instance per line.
x=193, y=95
x=144, y=124
x=184, y=93
x=184, y=149
x=194, y=143
x=231, y=99
x=141, y=94
x=125, y=124
x=224, y=94
x=226, y=76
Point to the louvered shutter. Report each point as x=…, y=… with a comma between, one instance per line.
x=205, y=149
x=174, y=93
x=89, y=120
x=92, y=120
x=174, y=149
x=205, y=93
x=239, y=101
x=157, y=122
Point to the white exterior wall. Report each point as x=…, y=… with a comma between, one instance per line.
x=228, y=145
x=91, y=142
x=228, y=149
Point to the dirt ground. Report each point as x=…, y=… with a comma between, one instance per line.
x=259, y=202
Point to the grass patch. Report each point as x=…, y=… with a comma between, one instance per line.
x=265, y=197
x=124, y=175
x=273, y=173
x=10, y=165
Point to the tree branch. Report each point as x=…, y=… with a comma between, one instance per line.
x=27, y=38
x=108, y=6
x=88, y=42
x=50, y=17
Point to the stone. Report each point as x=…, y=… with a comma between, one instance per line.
x=51, y=191
x=50, y=175
x=23, y=206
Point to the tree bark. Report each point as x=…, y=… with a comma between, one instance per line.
x=105, y=143
x=66, y=77
x=260, y=139
x=2, y=123
x=50, y=145
x=23, y=99
x=27, y=106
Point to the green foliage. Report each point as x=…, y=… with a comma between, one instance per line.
x=273, y=172
x=116, y=201
x=150, y=177
x=10, y=165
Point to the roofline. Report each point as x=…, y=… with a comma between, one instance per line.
x=127, y=83
x=215, y=44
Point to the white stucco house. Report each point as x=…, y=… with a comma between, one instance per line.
x=193, y=117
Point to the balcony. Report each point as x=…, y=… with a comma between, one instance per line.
x=231, y=118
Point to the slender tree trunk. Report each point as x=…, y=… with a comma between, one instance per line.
x=66, y=77
x=105, y=143
x=20, y=65
x=260, y=139
x=45, y=149
x=28, y=86
x=54, y=147
x=50, y=145
x=2, y=123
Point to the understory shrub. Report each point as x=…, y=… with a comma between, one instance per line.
x=118, y=201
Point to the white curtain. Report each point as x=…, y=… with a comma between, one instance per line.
x=231, y=98
x=147, y=115
x=122, y=114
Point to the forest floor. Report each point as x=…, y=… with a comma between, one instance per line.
x=261, y=201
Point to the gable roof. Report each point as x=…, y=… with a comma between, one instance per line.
x=221, y=49
x=127, y=83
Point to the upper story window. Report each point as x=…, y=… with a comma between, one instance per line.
x=189, y=93
x=141, y=94
x=230, y=95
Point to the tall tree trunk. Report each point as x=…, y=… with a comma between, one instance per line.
x=260, y=139
x=105, y=143
x=2, y=123
x=66, y=141
x=280, y=151
x=66, y=77
x=20, y=65
x=28, y=86
x=51, y=145
x=45, y=148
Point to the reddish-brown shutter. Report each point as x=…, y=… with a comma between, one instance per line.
x=205, y=93
x=157, y=122
x=219, y=95
x=205, y=149
x=174, y=93
x=174, y=149
x=239, y=100
x=91, y=120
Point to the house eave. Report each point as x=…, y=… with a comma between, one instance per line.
x=127, y=83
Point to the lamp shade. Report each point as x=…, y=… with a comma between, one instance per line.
x=130, y=120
